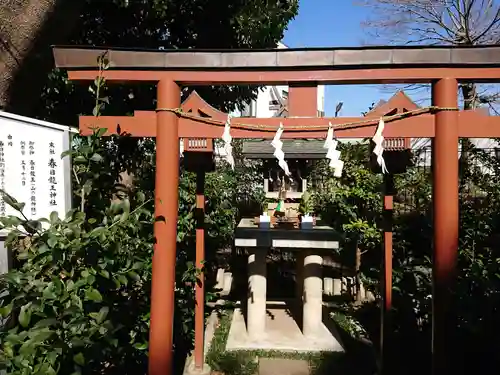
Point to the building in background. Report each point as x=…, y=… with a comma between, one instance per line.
x=272, y=101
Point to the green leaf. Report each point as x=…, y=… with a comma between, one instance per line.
x=137, y=265
x=96, y=158
x=40, y=335
x=5, y=310
x=54, y=217
x=80, y=159
x=133, y=275
x=122, y=280
x=97, y=110
x=46, y=323
x=25, y=315
x=70, y=285
x=11, y=201
x=96, y=232
x=87, y=186
x=125, y=205
x=79, y=359
x=100, y=316
x=141, y=346
x=52, y=241
x=67, y=153
x=104, y=273
x=141, y=197
x=99, y=133
x=93, y=295
x=48, y=292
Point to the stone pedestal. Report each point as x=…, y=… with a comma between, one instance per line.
x=312, y=316
x=257, y=285
x=260, y=331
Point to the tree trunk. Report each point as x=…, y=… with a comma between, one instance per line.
x=27, y=30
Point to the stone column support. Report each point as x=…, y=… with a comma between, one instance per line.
x=328, y=286
x=312, y=317
x=299, y=286
x=257, y=285
x=337, y=287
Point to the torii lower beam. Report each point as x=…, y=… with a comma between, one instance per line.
x=471, y=124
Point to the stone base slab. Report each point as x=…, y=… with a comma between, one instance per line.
x=282, y=333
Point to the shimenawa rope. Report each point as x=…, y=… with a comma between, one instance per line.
x=348, y=125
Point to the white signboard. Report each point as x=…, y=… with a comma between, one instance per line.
x=31, y=168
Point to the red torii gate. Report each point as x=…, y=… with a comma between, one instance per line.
x=302, y=70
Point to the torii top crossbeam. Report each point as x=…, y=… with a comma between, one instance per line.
x=302, y=70
x=283, y=66
x=290, y=66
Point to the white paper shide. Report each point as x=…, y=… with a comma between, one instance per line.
x=31, y=168
x=277, y=143
x=378, y=150
x=332, y=153
x=227, y=139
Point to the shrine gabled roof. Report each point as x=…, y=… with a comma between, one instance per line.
x=85, y=57
x=293, y=149
x=399, y=102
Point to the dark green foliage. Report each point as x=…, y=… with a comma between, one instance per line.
x=353, y=204
x=203, y=24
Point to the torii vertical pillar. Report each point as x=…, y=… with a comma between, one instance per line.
x=165, y=231
x=446, y=221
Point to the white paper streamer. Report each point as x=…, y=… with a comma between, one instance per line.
x=226, y=137
x=333, y=154
x=378, y=150
x=278, y=152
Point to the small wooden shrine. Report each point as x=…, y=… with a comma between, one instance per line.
x=300, y=154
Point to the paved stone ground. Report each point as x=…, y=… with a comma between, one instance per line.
x=278, y=366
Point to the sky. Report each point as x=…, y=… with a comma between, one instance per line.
x=336, y=23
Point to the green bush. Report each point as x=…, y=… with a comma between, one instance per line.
x=352, y=205
x=78, y=302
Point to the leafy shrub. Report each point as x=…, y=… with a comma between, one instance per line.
x=65, y=302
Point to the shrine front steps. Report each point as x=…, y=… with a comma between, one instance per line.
x=279, y=366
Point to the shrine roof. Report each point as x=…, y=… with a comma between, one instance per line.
x=293, y=149
x=85, y=57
